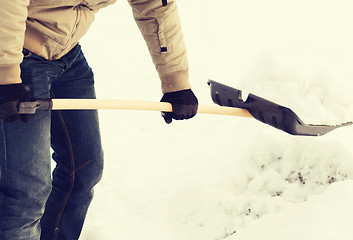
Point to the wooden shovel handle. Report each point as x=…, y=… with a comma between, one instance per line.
x=75, y=104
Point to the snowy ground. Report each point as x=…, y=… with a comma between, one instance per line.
x=218, y=177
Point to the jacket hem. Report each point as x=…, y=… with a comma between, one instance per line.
x=39, y=44
x=10, y=74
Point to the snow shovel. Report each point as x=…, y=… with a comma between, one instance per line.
x=268, y=112
x=228, y=98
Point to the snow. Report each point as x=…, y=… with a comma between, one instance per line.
x=221, y=177
x=325, y=216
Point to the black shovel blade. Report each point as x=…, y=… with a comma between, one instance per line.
x=267, y=112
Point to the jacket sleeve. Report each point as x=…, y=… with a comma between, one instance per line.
x=159, y=23
x=13, y=15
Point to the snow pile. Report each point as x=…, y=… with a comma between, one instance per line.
x=317, y=97
x=218, y=177
x=267, y=179
x=325, y=217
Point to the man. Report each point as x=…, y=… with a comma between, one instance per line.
x=40, y=58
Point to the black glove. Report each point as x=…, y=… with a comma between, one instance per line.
x=10, y=96
x=184, y=105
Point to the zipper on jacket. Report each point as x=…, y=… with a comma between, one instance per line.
x=164, y=3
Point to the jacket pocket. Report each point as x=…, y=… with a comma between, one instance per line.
x=153, y=31
x=161, y=36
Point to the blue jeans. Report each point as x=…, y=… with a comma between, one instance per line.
x=36, y=203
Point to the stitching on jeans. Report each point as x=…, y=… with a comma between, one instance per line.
x=82, y=166
x=72, y=174
x=75, y=170
x=63, y=167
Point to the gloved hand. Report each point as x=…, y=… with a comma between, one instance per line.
x=10, y=96
x=184, y=104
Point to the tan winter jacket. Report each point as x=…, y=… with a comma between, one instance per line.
x=51, y=28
